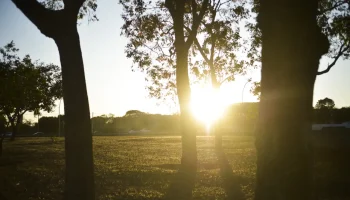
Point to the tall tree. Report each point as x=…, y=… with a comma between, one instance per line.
x=289, y=70
x=26, y=86
x=333, y=16
x=219, y=41
x=153, y=29
x=57, y=19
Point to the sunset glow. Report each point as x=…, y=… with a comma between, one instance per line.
x=208, y=105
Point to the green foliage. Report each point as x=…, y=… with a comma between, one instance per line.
x=26, y=85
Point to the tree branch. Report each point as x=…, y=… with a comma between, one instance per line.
x=340, y=53
x=225, y=79
x=201, y=50
x=44, y=19
x=196, y=21
x=73, y=6
x=321, y=12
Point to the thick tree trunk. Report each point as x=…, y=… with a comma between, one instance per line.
x=189, y=152
x=78, y=137
x=292, y=45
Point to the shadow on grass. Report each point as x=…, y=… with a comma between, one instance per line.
x=331, y=172
x=231, y=182
x=182, y=185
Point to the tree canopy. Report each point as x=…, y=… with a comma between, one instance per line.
x=325, y=103
x=27, y=85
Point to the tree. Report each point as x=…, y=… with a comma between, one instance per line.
x=221, y=40
x=333, y=16
x=289, y=70
x=57, y=19
x=26, y=86
x=325, y=103
x=156, y=36
x=325, y=110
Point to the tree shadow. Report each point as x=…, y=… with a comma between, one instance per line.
x=182, y=185
x=231, y=182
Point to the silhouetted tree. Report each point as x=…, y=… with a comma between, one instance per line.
x=26, y=86
x=219, y=42
x=289, y=70
x=333, y=16
x=58, y=20
x=324, y=110
x=156, y=36
x=325, y=103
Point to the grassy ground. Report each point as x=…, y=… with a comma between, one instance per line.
x=146, y=168
x=128, y=168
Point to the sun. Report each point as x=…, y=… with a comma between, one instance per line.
x=208, y=105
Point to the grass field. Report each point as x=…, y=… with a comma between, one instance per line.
x=137, y=168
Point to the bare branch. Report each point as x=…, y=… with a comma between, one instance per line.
x=340, y=53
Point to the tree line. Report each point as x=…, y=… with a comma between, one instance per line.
x=238, y=119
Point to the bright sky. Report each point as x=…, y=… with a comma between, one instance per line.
x=112, y=86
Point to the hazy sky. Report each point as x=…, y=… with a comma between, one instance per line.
x=112, y=86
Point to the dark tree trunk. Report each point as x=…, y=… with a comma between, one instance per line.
x=78, y=136
x=292, y=45
x=61, y=26
x=189, y=152
x=2, y=137
x=14, y=128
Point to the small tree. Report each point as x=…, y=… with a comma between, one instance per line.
x=220, y=42
x=26, y=85
x=325, y=110
x=325, y=103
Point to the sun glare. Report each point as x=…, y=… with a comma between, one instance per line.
x=208, y=105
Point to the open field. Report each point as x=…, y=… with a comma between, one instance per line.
x=144, y=168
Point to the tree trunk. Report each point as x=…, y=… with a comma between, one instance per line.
x=289, y=67
x=78, y=136
x=189, y=152
x=14, y=128
x=2, y=137
x=216, y=86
